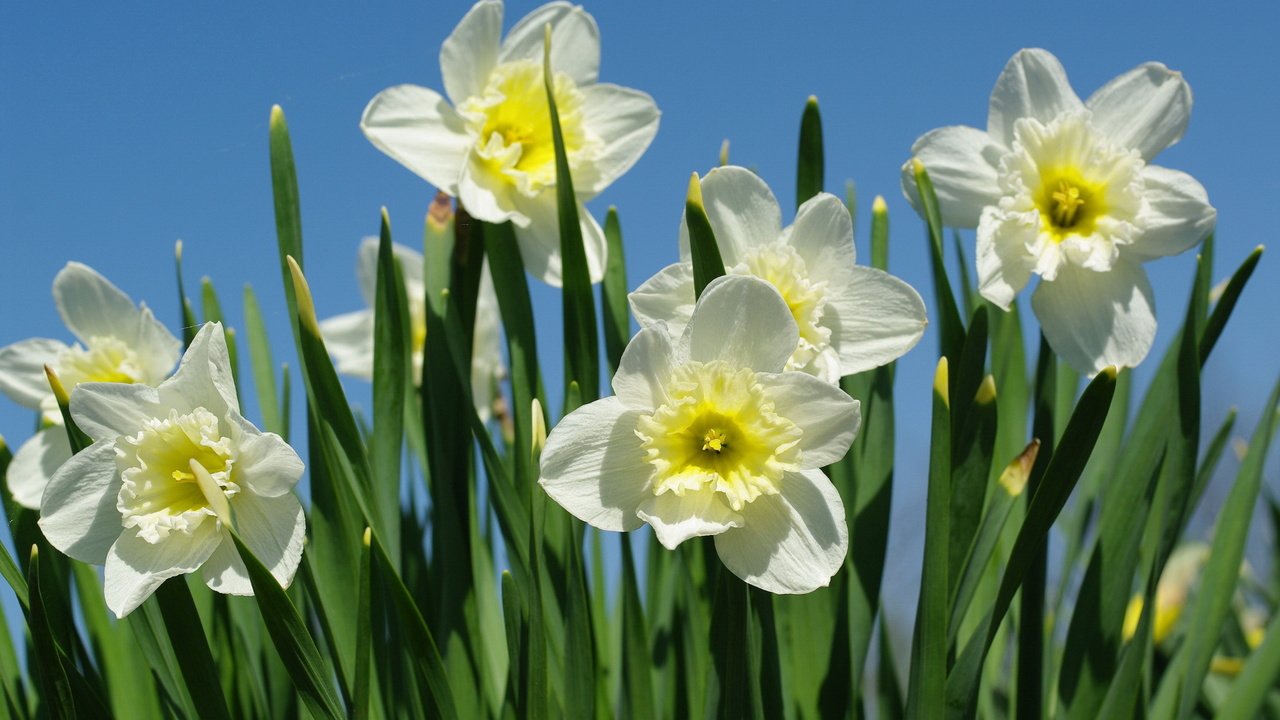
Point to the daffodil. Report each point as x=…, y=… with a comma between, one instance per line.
x=169, y=467
x=492, y=148
x=707, y=435
x=850, y=317
x=349, y=337
x=1063, y=189
x=117, y=342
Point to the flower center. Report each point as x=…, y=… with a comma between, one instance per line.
x=1069, y=203
x=512, y=123
x=718, y=432
x=782, y=267
x=160, y=493
x=106, y=360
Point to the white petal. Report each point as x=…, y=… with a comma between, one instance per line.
x=488, y=196
x=92, y=307
x=157, y=348
x=349, y=340
x=666, y=297
x=22, y=376
x=367, y=268
x=823, y=236
x=827, y=416
x=1176, y=215
x=273, y=528
x=789, y=543
x=35, y=463
x=962, y=164
x=135, y=567
x=1003, y=256
x=594, y=467
x=471, y=51
x=874, y=317
x=78, y=512
x=645, y=369
x=1033, y=84
x=575, y=41
x=266, y=463
x=677, y=518
x=540, y=241
x=743, y=212
x=204, y=377
x=419, y=130
x=744, y=321
x=626, y=121
x=105, y=411
x=1146, y=109
x=1095, y=319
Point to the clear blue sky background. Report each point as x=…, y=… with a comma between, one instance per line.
x=124, y=127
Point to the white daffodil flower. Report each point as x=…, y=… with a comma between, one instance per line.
x=851, y=318
x=1062, y=189
x=349, y=337
x=707, y=435
x=492, y=148
x=117, y=342
x=169, y=466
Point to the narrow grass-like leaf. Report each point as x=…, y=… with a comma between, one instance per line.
x=364, y=634
x=50, y=663
x=637, y=683
x=78, y=440
x=613, y=294
x=391, y=382
x=288, y=211
x=188, y=316
x=582, y=351
x=950, y=326
x=1212, y=604
x=1212, y=455
x=889, y=698
x=810, y=162
x=1227, y=303
x=929, y=644
x=879, y=233
x=705, y=254
x=291, y=638
x=263, y=365
x=1055, y=487
x=186, y=633
x=1257, y=680
x=731, y=647
x=1031, y=619
x=130, y=689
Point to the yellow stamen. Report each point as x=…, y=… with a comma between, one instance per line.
x=715, y=441
x=1066, y=203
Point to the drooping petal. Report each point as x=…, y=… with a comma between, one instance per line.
x=1004, y=257
x=666, y=297
x=742, y=320
x=35, y=464
x=743, y=212
x=273, y=528
x=78, y=513
x=134, y=568
x=676, y=518
x=792, y=542
x=540, y=240
x=1095, y=319
x=575, y=41
x=1033, y=84
x=419, y=130
x=645, y=369
x=594, y=467
x=874, y=317
x=823, y=236
x=22, y=376
x=92, y=307
x=1146, y=109
x=827, y=416
x=1175, y=217
x=471, y=51
x=625, y=120
x=204, y=376
x=962, y=163
x=349, y=339
x=265, y=462
x=105, y=411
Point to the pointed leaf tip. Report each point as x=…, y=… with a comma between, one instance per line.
x=1014, y=477
x=879, y=206
x=306, y=306
x=941, y=382
x=986, y=391
x=277, y=116
x=367, y=539
x=695, y=191
x=59, y=391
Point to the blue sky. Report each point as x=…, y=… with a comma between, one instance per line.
x=124, y=127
